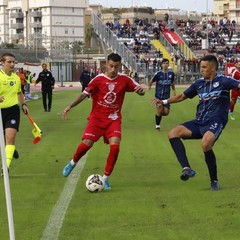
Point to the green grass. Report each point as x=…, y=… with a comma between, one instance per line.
x=147, y=200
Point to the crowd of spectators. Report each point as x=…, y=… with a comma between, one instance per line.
x=138, y=37
x=220, y=36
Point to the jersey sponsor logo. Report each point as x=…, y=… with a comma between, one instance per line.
x=213, y=126
x=110, y=96
x=13, y=121
x=212, y=95
x=165, y=82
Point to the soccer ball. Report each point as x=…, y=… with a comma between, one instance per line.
x=95, y=183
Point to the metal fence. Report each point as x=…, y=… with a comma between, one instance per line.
x=112, y=42
x=26, y=55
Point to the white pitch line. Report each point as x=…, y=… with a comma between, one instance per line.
x=55, y=221
x=28, y=175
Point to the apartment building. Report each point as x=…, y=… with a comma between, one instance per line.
x=227, y=8
x=42, y=23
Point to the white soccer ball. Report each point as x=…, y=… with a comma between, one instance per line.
x=95, y=183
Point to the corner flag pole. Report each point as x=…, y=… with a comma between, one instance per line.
x=6, y=182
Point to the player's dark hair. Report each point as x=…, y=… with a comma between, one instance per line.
x=7, y=54
x=114, y=57
x=212, y=59
x=165, y=60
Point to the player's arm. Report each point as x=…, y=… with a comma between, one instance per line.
x=173, y=88
x=53, y=81
x=174, y=99
x=150, y=84
x=38, y=80
x=79, y=99
x=139, y=90
x=21, y=100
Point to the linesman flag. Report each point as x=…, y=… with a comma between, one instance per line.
x=37, y=132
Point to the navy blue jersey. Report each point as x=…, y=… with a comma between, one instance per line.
x=163, y=84
x=214, y=97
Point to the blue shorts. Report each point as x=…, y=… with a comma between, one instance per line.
x=167, y=106
x=198, y=128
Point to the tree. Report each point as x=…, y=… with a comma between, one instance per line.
x=88, y=34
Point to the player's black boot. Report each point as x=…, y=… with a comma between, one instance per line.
x=187, y=173
x=16, y=154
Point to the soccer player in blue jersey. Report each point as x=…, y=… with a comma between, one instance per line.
x=213, y=91
x=165, y=80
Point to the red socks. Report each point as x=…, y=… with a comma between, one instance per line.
x=112, y=158
x=81, y=151
x=231, y=107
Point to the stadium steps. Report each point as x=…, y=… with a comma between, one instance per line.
x=159, y=46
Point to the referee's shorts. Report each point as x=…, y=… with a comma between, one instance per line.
x=11, y=117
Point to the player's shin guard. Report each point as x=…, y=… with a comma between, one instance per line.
x=210, y=160
x=9, y=153
x=112, y=158
x=180, y=151
x=81, y=151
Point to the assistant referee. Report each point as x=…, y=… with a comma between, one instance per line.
x=11, y=97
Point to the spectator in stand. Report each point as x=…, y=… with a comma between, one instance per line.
x=178, y=22
x=154, y=63
x=230, y=34
x=156, y=32
x=222, y=41
x=158, y=53
x=132, y=42
x=141, y=34
x=166, y=18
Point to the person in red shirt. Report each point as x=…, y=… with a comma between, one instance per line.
x=235, y=93
x=107, y=91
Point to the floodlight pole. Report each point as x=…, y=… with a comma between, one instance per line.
x=6, y=182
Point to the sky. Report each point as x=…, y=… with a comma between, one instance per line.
x=188, y=5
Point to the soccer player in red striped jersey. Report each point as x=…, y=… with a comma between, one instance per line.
x=235, y=93
x=107, y=92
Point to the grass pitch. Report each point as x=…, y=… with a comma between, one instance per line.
x=147, y=201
